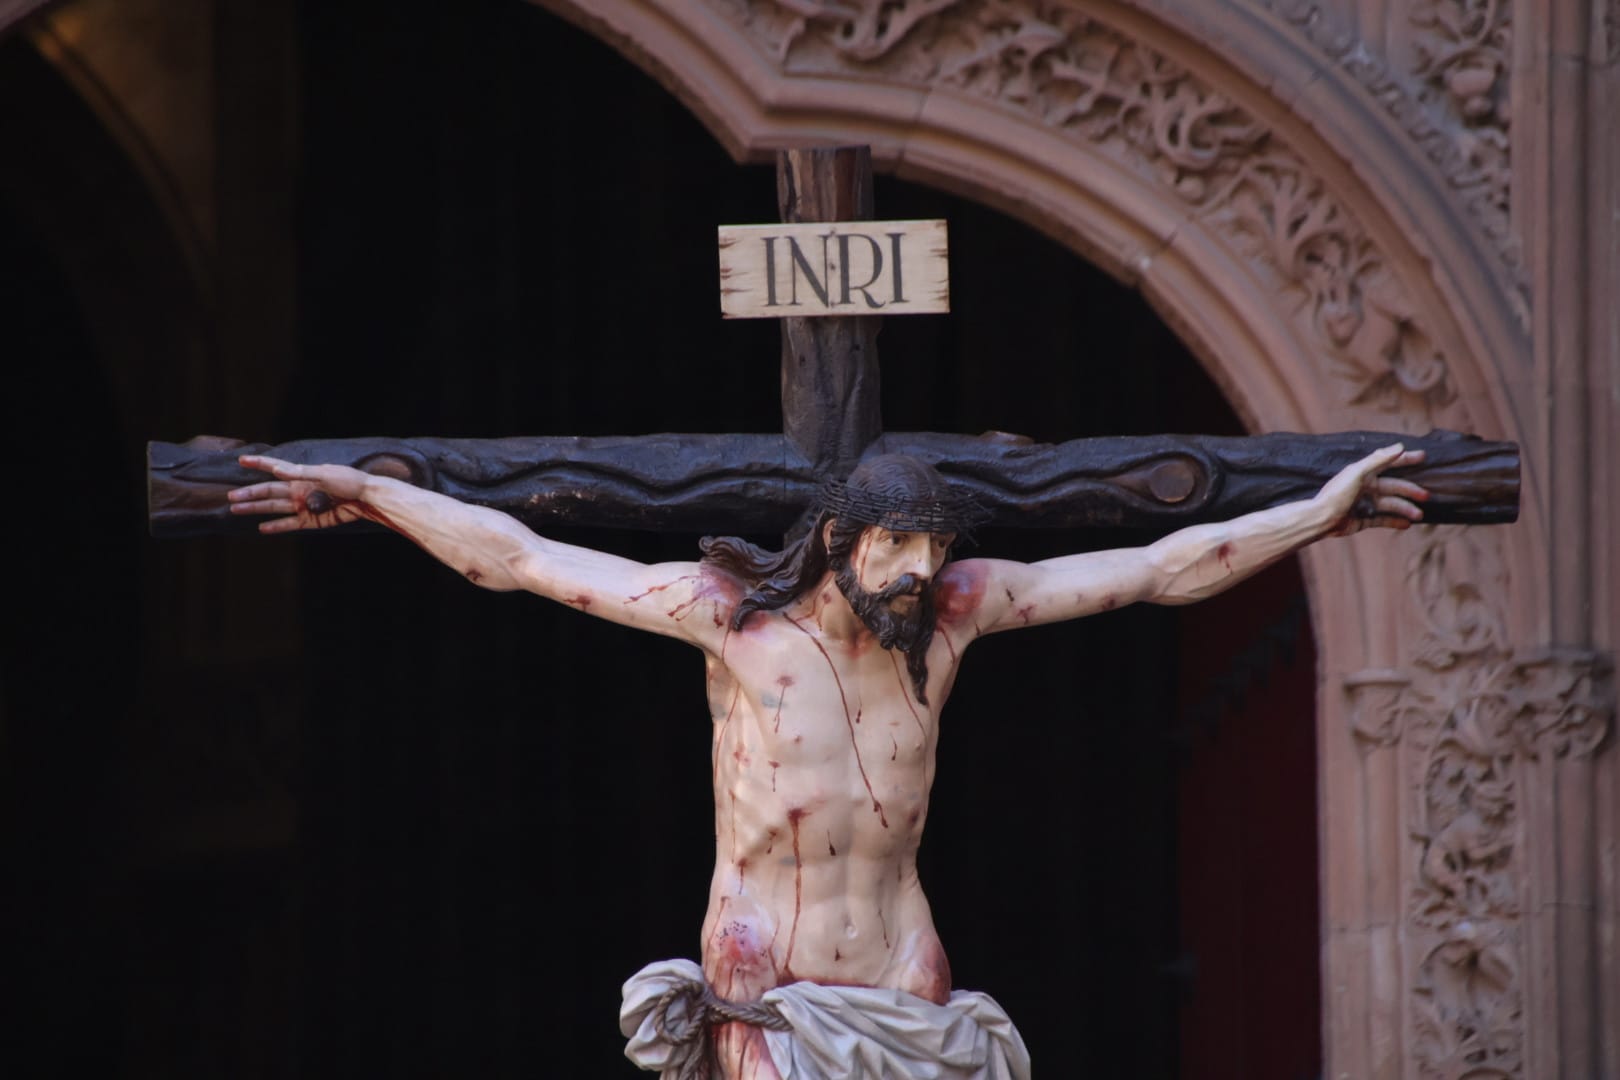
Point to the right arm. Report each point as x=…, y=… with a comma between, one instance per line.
x=495, y=551
x=1198, y=561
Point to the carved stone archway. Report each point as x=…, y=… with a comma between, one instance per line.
x=1332, y=238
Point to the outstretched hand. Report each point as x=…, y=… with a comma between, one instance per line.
x=308, y=496
x=1361, y=497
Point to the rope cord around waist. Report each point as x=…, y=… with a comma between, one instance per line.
x=704, y=1009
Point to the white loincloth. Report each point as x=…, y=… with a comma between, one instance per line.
x=842, y=1032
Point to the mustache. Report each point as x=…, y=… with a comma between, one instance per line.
x=905, y=585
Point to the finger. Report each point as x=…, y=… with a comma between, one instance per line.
x=1392, y=485
x=281, y=525
x=270, y=489
x=1383, y=458
x=1358, y=473
x=265, y=506
x=1410, y=457
x=284, y=469
x=1395, y=506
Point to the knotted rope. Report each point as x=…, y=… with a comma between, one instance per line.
x=704, y=1010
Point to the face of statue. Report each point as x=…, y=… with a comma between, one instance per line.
x=883, y=559
x=888, y=580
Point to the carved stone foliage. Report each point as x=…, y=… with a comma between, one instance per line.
x=1467, y=1015
x=1069, y=72
x=1462, y=50
x=1284, y=218
x=1469, y=712
x=1452, y=100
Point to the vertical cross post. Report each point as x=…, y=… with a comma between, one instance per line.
x=831, y=404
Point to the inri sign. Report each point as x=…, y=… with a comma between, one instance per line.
x=833, y=268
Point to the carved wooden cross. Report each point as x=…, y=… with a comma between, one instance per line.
x=830, y=411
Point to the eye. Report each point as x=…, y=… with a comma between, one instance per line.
x=896, y=539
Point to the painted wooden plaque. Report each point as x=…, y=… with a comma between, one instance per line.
x=833, y=268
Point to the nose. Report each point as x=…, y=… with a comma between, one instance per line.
x=922, y=561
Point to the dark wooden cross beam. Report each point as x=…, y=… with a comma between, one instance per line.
x=831, y=418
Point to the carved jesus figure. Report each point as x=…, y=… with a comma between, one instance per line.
x=828, y=664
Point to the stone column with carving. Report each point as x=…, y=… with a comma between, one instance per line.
x=1493, y=745
x=1485, y=936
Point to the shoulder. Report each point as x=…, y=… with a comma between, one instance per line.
x=686, y=600
x=719, y=587
x=708, y=592
x=983, y=593
x=962, y=588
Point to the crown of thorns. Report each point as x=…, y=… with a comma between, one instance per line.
x=951, y=512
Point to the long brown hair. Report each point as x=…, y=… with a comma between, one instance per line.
x=777, y=578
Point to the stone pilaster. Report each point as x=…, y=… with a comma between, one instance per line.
x=1494, y=745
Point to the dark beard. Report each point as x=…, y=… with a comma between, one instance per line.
x=910, y=632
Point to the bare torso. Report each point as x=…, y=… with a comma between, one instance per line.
x=823, y=760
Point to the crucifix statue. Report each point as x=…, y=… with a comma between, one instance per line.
x=828, y=661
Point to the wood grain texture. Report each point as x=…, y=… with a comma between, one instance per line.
x=831, y=384
x=745, y=483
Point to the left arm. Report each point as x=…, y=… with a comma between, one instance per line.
x=1199, y=561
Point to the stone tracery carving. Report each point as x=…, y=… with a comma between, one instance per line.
x=1459, y=115
x=1462, y=52
x=1467, y=1008
x=1465, y=911
x=1472, y=710
x=1080, y=76
x=860, y=31
x=1072, y=73
x=1465, y=860
x=1367, y=325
